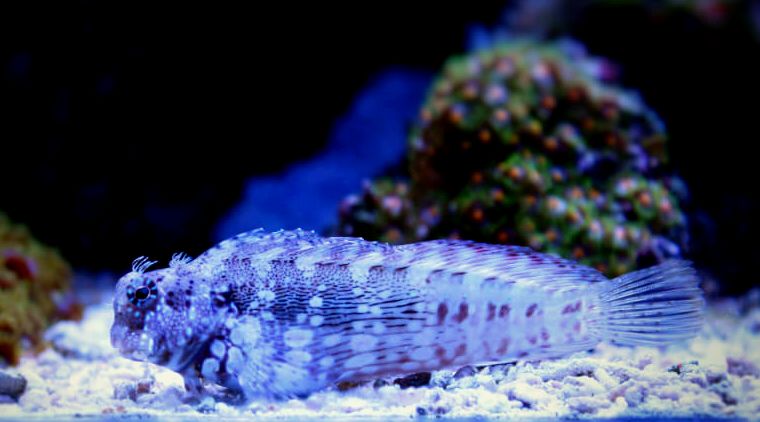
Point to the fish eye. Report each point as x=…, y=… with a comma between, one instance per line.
x=143, y=294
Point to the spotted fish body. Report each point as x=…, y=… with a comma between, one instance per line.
x=287, y=313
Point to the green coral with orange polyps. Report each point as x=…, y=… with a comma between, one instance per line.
x=522, y=144
x=34, y=283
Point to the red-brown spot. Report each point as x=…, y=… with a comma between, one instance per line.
x=503, y=346
x=532, y=340
x=404, y=358
x=572, y=308
x=443, y=310
x=531, y=310
x=491, y=312
x=460, y=350
x=463, y=311
x=504, y=311
x=544, y=335
x=440, y=352
x=486, y=348
x=577, y=327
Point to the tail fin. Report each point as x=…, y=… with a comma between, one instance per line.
x=653, y=307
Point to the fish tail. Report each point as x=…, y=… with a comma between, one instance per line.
x=651, y=307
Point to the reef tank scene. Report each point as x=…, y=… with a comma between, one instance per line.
x=496, y=210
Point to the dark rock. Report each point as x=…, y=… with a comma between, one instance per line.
x=439, y=410
x=11, y=384
x=380, y=383
x=684, y=367
x=465, y=371
x=499, y=371
x=720, y=384
x=742, y=368
x=415, y=380
x=714, y=377
x=349, y=385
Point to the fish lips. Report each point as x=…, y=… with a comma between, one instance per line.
x=138, y=345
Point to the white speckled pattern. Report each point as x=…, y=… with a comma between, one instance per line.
x=291, y=312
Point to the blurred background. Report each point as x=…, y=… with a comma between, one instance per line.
x=132, y=129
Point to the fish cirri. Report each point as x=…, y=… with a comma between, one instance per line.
x=284, y=314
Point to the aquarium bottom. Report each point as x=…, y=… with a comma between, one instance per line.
x=715, y=375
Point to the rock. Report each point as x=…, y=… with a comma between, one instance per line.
x=414, y=380
x=133, y=390
x=465, y=371
x=85, y=340
x=692, y=372
x=349, y=385
x=499, y=371
x=714, y=376
x=207, y=405
x=11, y=384
x=441, y=379
x=635, y=394
x=720, y=384
x=530, y=396
x=742, y=368
x=685, y=367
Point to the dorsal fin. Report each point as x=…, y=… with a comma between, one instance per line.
x=512, y=263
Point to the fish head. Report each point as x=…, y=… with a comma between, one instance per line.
x=165, y=316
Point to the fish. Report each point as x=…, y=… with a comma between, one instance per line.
x=284, y=314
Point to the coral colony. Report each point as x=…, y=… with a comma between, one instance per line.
x=519, y=144
x=34, y=281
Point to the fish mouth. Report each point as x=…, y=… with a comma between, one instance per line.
x=132, y=344
x=135, y=344
x=118, y=334
x=126, y=341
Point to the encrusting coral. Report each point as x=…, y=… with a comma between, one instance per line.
x=523, y=143
x=34, y=281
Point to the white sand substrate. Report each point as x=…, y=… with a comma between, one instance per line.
x=718, y=376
